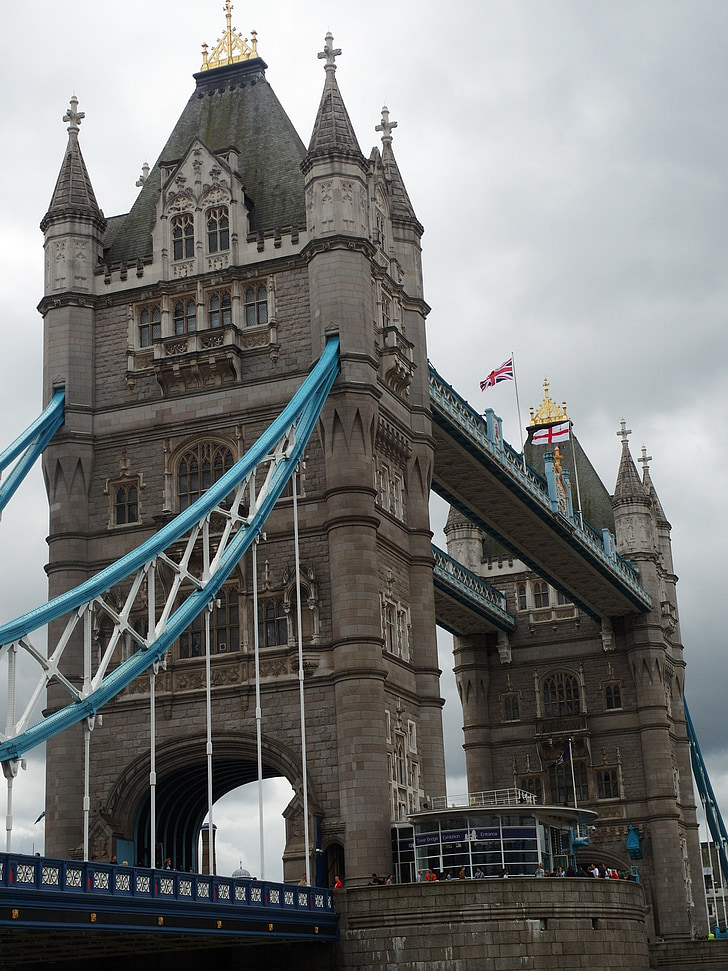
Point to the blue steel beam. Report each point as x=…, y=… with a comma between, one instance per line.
x=32, y=442
x=289, y=433
x=713, y=815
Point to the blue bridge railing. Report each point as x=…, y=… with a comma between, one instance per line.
x=58, y=881
x=455, y=579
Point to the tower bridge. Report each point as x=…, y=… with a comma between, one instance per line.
x=241, y=576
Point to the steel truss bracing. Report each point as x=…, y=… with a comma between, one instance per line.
x=707, y=797
x=31, y=444
x=240, y=503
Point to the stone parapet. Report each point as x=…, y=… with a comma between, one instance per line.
x=466, y=925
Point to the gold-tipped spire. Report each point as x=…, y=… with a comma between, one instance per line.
x=231, y=47
x=549, y=411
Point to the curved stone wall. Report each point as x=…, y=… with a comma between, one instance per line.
x=478, y=925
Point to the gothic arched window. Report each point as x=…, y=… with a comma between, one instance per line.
x=198, y=468
x=607, y=784
x=612, y=696
x=272, y=624
x=126, y=503
x=224, y=628
x=185, y=317
x=219, y=312
x=256, y=306
x=150, y=325
x=183, y=236
x=218, y=229
x=560, y=695
x=540, y=594
x=511, y=708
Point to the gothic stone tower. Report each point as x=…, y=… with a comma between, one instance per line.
x=179, y=330
x=612, y=693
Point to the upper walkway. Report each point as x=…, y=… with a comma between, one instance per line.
x=487, y=480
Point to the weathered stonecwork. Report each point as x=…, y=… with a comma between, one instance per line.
x=583, y=709
x=179, y=331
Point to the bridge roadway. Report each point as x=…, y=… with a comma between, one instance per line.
x=53, y=910
x=482, y=476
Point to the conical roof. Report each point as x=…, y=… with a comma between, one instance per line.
x=73, y=195
x=629, y=487
x=333, y=132
x=231, y=107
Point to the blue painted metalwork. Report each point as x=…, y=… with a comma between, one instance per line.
x=280, y=448
x=63, y=893
x=453, y=579
x=713, y=815
x=484, y=440
x=32, y=442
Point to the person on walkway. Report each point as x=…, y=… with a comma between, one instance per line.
x=540, y=871
x=337, y=882
x=374, y=882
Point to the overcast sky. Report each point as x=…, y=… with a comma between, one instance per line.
x=568, y=162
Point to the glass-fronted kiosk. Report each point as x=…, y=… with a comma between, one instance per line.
x=488, y=834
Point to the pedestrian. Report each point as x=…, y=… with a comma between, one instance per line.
x=540, y=872
x=337, y=882
x=374, y=882
x=303, y=882
x=419, y=877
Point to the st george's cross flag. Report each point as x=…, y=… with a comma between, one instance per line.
x=502, y=373
x=552, y=434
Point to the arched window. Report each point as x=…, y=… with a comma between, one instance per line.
x=150, y=325
x=218, y=229
x=532, y=784
x=612, y=696
x=564, y=786
x=540, y=594
x=256, y=306
x=183, y=236
x=224, y=628
x=272, y=624
x=607, y=784
x=560, y=695
x=522, y=600
x=126, y=503
x=511, y=708
x=185, y=317
x=219, y=312
x=199, y=468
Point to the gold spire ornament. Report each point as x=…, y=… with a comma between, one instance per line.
x=549, y=411
x=231, y=47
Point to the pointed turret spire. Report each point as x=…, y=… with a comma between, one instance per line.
x=73, y=194
x=628, y=487
x=401, y=207
x=333, y=132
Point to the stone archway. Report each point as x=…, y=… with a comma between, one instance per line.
x=181, y=793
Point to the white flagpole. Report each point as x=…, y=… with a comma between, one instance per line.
x=518, y=409
x=573, y=777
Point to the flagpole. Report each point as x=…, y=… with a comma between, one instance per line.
x=576, y=471
x=518, y=410
x=573, y=777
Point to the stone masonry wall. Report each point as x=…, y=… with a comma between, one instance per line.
x=494, y=925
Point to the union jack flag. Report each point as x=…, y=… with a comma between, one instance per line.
x=502, y=373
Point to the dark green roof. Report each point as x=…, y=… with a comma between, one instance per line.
x=231, y=106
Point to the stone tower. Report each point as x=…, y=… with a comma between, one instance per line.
x=179, y=330
x=610, y=693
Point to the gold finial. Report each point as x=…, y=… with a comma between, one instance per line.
x=549, y=411
x=231, y=47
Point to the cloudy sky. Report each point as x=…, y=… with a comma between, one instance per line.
x=567, y=160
